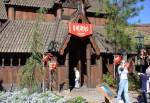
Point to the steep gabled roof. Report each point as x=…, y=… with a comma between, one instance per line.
x=104, y=44
x=32, y=3
x=3, y=14
x=95, y=6
x=91, y=5
x=16, y=36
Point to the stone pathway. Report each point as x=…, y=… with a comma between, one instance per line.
x=93, y=96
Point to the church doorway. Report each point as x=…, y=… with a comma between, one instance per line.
x=77, y=58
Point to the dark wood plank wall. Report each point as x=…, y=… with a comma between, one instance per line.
x=94, y=73
x=9, y=75
x=20, y=13
x=68, y=11
x=97, y=21
x=31, y=14
x=24, y=15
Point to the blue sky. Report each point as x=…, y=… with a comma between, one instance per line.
x=144, y=15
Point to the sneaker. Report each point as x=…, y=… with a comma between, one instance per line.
x=120, y=101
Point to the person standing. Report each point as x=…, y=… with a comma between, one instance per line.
x=77, y=77
x=123, y=82
x=145, y=84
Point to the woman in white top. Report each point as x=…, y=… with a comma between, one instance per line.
x=123, y=82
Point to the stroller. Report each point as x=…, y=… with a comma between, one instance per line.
x=145, y=88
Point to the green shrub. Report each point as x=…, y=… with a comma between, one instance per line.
x=134, y=82
x=109, y=80
x=78, y=99
x=133, y=79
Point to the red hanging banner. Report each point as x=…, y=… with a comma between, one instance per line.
x=80, y=29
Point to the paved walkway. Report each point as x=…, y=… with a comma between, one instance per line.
x=93, y=96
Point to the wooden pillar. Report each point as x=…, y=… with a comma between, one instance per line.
x=88, y=59
x=11, y=13
x=11, y=73
x=19, y=61
x=80, y=71
x=11, y=62
x=100, y=68
x=0, y=24
x=3, y=62
x=59, y=13
x=67, y=70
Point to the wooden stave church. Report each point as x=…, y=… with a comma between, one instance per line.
x=90, y=58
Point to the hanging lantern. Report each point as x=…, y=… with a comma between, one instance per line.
x=117, y=59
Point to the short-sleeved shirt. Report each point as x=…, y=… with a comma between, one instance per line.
x=123, y=72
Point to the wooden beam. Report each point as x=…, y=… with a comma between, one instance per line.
x=19, y=61
x=3, y=62
x=11, y=13
x=59, y=13
x=64, y=45
x=80, y=71
x=11, y=61
x=97, y=50
x=67, y=70
x=88, y=59
x=0, y=24
x=100, y=68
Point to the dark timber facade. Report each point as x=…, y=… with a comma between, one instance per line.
x=91, y=55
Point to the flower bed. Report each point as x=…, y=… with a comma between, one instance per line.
x=23, y=96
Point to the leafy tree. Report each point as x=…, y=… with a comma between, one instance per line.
x=27, y=73
x=119, y=11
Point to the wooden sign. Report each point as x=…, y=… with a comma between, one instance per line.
x=80, y=29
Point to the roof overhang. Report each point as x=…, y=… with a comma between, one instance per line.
x=67, y=39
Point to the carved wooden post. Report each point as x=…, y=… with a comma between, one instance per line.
x=0, y=24
x=67, y=70
x=88, y=58
x=11, y=13
x=11, y=73
x=3, y=61
x=19, y=61
x=59, y=13
x=80, y=71
x=100, y=68
x=11, y=62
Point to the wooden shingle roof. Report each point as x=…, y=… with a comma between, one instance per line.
x=17, y=34
x=93, y=5
x=3, y=14
x=104, y=44
x=32, y=3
